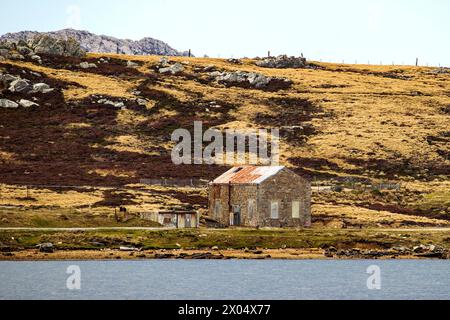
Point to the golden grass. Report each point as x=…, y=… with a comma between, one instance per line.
x=372, y=117
x=368, y=217
x=16, y=196
x=92, y=83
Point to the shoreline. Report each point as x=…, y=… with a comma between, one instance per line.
x=181, y=254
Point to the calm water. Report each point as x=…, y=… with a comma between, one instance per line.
x=227, y=279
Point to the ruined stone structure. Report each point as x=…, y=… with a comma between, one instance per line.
x=272, y=196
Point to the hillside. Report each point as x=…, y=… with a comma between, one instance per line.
x=102, y=44
x=86, y=146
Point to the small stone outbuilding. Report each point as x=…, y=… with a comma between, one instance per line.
x=259, y=196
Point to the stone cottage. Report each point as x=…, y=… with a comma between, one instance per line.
x=272, y=196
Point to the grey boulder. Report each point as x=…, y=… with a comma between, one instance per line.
x=253, y=79
x=21, y=86
x=46, y=247
x=42, y=87
x=173, y=69
x=282, y=61
x=5, y=103
x=132, y=64
x=87, y=65
x=6, y=79
x=27, y=103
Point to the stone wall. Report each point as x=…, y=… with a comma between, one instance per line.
x=285, y=187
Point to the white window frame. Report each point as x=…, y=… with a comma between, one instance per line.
x=274, y=207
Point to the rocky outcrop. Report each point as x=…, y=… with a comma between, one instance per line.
x=102, y=44
x=46, y=44
x=282, y=62
x=40, y=44
x=249, y=79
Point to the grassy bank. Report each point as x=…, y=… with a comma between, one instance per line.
x=227, y=239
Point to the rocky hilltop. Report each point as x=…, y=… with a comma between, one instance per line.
x=102, y=44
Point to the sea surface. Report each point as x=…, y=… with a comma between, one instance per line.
x=226, y=279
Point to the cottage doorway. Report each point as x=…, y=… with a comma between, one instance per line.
x=236, y=216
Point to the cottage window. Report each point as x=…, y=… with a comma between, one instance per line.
x=217, y=209
x=274, y=210
x=295, y=209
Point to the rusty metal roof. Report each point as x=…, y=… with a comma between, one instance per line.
x=247, y=174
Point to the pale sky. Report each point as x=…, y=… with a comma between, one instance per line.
x=346, y=30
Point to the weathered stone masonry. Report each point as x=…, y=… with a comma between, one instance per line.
x=261, y=196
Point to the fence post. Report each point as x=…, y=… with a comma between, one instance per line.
x=417, y=62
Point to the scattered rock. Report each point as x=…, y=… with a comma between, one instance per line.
x=27, y=103
x=37, y=74
x=173, y=69
x=141, y=102
x=6, y=79
x=128, y=249
x=21, y=86
x=429, y=251
x=132, y=64
x=24, y=50
x=16, y=56
x=87, y=65
x=5, y=103
x=282, y=61
x=234, y=61
x=164, y=62
x=441, y=70
x=36, y=58
x=164, y=256
x=209, y=68
x=46, y=247
x=249, y=79
x=112, y=103
x=42, y=87
x=200, y=256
